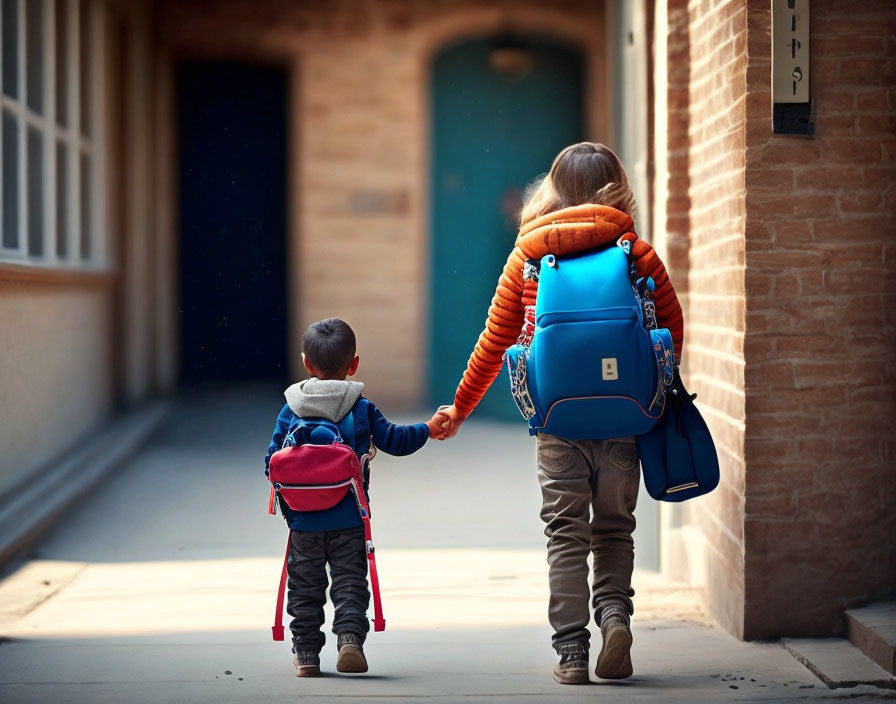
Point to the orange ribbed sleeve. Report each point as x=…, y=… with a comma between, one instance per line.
x=668, y=309
x=502, y=329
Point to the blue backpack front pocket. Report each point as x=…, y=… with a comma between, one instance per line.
x=595, y=373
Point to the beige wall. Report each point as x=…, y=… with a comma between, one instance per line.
x=136, y=198
x=76, y=345
x=54, y=366
x=360, y=135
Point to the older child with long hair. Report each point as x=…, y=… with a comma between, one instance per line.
x=589, y=487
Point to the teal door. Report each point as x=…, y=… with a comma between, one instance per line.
x=500, y=114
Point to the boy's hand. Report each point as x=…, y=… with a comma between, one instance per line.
x=439, y=425
x=456, y=419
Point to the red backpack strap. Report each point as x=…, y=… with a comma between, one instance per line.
x=379, y=622
x=277, y=628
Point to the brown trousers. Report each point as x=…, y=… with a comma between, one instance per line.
x=579, y=478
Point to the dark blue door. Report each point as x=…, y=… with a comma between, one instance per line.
x=501, y=111
x=232, y=148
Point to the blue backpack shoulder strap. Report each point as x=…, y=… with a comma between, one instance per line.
x=347, y=429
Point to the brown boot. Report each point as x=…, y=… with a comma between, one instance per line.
x=351, y=654
x=615, y=660
x=573, y=665
x=307, y=664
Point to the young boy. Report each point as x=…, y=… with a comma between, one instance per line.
x=335, y=536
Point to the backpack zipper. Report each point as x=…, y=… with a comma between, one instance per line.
x=278, y=485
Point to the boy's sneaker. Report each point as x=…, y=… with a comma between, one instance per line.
x=573, y=665
x=615, y=660
x=351, y=654
x=307, y=664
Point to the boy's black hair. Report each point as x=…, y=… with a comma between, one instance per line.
x=329, y=345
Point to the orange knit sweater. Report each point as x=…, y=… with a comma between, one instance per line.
x=574, y=229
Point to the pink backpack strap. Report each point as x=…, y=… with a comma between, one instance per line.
x=277, y=628
x=379, y=622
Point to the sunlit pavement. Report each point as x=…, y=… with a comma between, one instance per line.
x=160, y=587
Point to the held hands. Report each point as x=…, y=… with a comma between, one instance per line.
x=445, y=423
x=437, y=424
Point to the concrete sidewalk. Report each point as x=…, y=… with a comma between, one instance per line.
x=160, y=587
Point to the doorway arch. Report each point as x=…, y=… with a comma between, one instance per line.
x=501, y=108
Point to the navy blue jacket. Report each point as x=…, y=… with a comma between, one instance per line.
x=370, y=424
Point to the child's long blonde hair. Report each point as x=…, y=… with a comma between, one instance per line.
x=587, y=172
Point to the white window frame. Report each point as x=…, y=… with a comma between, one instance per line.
x=76, y=143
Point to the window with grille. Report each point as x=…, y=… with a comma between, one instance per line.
x=51, y=151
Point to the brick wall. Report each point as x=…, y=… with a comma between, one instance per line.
x=707, y=52
x=820, y=242
x=788, y=245
x=359, y=222
x=672, y=231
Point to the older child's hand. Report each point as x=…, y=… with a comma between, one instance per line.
x=439, y=425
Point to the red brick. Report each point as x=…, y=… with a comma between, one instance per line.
x=759, y=349
x=860, y=201
x=805, y=346
x=840, y=281
x=758, y=284
x=829, y=126
x=786, y=286
x=851, y=152
x=871, y=19
x=813, y=282
x=844, y=42
x=792, y=233
x=828, y=178
x=795, y=259
x=889, y=150
x=825, y=71
x=779, y=504
x=876, y=125
x=862, y=72
x=795, y=151
x=774, y=374
x=758, y=233
x=873, y=101
x=770, y=179
x=814, y=449
x=839, y=231
x=870, y=252
x=772, y=207
x=770, y=424
x=769, y=449
x=834, y=103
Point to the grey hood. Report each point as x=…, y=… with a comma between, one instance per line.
x=323, y=398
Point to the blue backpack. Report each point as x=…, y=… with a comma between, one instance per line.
x=597, y=367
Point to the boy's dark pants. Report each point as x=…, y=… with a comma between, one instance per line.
x=309, y=554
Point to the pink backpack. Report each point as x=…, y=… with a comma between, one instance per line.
x=315, y=477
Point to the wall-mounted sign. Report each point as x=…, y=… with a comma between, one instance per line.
x=790, y=51
x=792, y=112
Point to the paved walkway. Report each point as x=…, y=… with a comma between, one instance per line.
x=160, y=587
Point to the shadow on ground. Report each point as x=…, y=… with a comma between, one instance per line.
x=160, y=587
